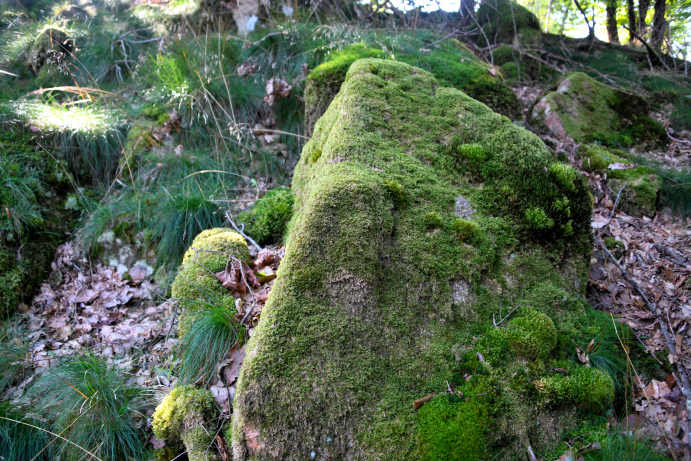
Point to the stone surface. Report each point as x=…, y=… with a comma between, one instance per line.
x=373, y=310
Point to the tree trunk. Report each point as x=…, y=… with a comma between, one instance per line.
x=659, y=24
x=632, y=20
x=643, y=6
x=562, y=26
x=612, y=32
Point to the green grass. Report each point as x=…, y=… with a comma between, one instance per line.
x=91, y=403
x=23, y=438
x=207, y=337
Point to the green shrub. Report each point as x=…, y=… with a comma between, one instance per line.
x=266, y=221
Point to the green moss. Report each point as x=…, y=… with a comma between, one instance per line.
x=505, y=21
x=640, y=190
x=511, y=62
x=185, y=415
x=598, y=158
x=368, y=303
x=473, y=152
x=267, y=219
x=433, y=220
x=454, y=430
x=538, y=219
x=589, y=111
x=612, y=243
x=585, y=386
x=209, y=253
x=566, y=175
x=466, y=229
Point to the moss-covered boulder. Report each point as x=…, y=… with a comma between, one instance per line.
x=455, y=66
x=516, y=65
x=52, y=46
x=505, y=21
x=435, y=247
x=639, y=185
x=188, y=415
x=587, y=111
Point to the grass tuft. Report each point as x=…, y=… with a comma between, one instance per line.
x=91, y=404
x=210, y=332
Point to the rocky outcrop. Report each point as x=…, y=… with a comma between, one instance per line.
x=436, y=250
x=587, y=111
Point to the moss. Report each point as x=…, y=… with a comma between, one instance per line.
x=185, y=415
x=458, y=68
x=267, y=219
x=466, y=229
x=511, y=62
x=49, y=43
x=589, y=111
x=505, y=21
x=530, y=336
x=612, y=243
x=324, y=81
x=598, y=158
x=640, y=190
x=585, y=386
x=368, y=303
x=215, y=248
x=537, y=219
x=433, y=220
x=454, y=429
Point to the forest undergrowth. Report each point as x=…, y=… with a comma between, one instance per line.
x=139, y=125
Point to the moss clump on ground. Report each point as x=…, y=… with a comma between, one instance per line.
x=188, y=415
x=505, y=21
x=211, y=252
x=369, y=303
x=52, y=45
x=453, y=429
x=267, y=220
x=516, y=66
x=589, y=111
x=640, y=186
x=585, y=386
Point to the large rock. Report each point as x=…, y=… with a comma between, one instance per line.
x=505, y=21
x=435, y=246
x=455, y=66
x=586, y=110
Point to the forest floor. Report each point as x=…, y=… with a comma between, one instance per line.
x=85, y=305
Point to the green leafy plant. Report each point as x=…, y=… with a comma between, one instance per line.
x=91, y=403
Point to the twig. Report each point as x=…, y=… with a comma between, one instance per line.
x=651, y=50
x=494, y=320
x=684, y=382
x=685, y=141
x=247, y=237
x=616, y=202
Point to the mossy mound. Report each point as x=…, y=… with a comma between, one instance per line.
x=455, y=66
x=639, y=185
x=516, y=66
x=211, y=251
x=588, y=111
x=52, y=45
x=505, y=21
x=266, y=221
x=188, y=415
x=386, y=294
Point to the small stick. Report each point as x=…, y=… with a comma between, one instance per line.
x=247, y=237
x=616, y=202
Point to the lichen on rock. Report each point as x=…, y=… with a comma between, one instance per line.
x=385, y=293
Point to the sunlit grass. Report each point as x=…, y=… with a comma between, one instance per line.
x=55, y=118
